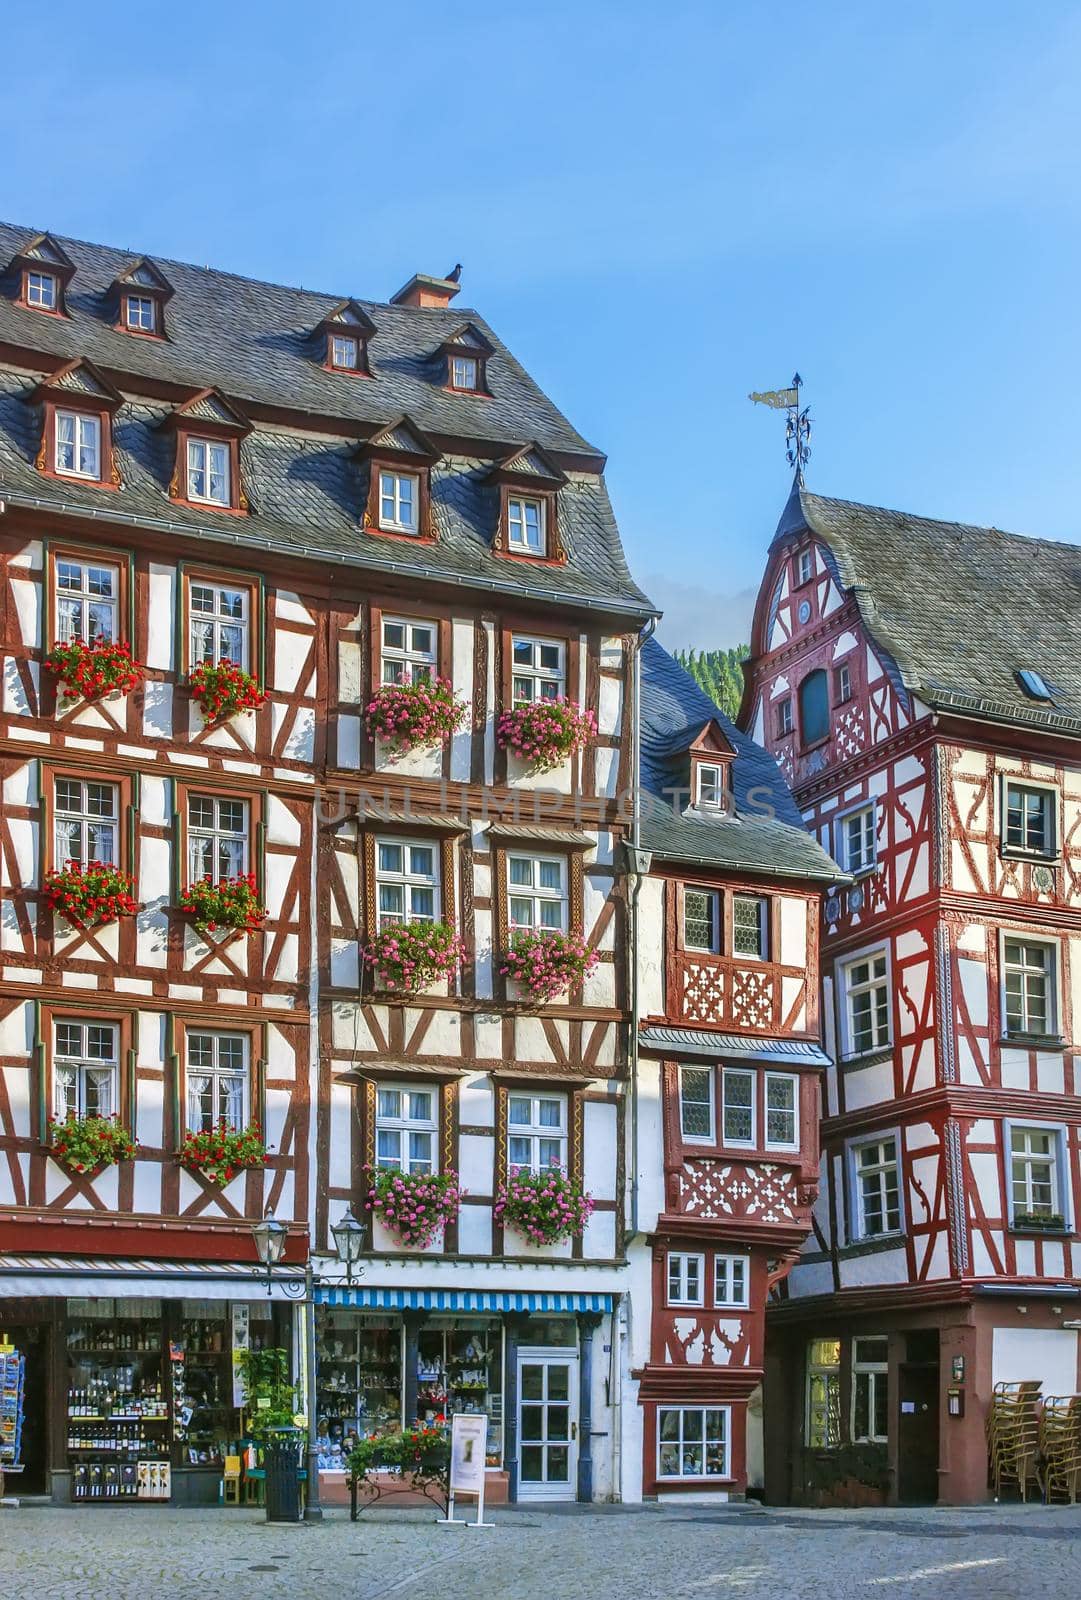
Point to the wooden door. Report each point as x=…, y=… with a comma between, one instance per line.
x=917, y=1435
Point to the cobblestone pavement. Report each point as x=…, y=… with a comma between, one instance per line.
x=647, y=1553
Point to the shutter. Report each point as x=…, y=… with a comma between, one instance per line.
x=180, y=662
x=172, y=1062
x=259, y=664
x=39, y=1055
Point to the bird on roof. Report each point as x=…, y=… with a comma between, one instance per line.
x=455, y=274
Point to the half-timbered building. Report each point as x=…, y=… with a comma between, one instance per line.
x=917, y=683
x=328, y=496
x=727, y=1082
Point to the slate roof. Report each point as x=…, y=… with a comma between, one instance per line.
x=959, y=609
x=306, y=492
x=765, y=833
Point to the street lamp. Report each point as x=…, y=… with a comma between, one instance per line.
x=270, y=1236
x=349, y=1239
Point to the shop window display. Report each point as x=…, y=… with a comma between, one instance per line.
x=460, y=1369
x=117, y=1413
x=359, y=1380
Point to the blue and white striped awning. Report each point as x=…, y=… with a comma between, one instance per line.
x=459, y=1300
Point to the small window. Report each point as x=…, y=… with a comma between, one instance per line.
x=538, y=671
x=1035, y=685
x=42, y=290
x=399, y=497
x=782, y=1111
x=406, y=1129
x=85, y=822
x=814, y=708
x=870, y=1391
x=208, y=472
x=1029, y=822
x=344, y=352
x=823, y=1424
x=784, y=717
x=856, y=839
x=409, y=650
x=684, y=1279
x=843, y=683
x=217, y=838
x=217, y=1079
x=140, y=313
x=878, y=1190
x=86, y=601
x=866, y=1002
x=1036, y=1168
x=702, y=920
x=1030, y=972
x=463, y=373
x=219, y=623
x=78, y=445
x=805, y=566
x=737, y=1106
x=696, y=1104
x=525, y=525
x=709, y=784
x=407, y=881
x=731, y=1280
x=693, y=1441
x=537, y=893
x=750, y=919
x=86, y=1060
x=536, y=1132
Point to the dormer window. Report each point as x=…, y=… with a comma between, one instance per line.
x=42, y=270
x=140, y=294
x=78, y=405
x=525, y=525
x=208, y=472
x=344, y=352
x=42, y=290
x=466, y=355
x=399, y=460
x=208, y=434
x=139, y=313
x=529, y=482
x=399, y=496
x=78, y=445
x=344, y=333
x=709, y=785
x=463, y=373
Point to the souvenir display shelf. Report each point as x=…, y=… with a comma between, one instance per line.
x=201, y=1363
x=12, y=1381
x=460, y=1369
x=360, y=1380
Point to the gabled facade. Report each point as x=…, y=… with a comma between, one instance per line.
x=915, y=681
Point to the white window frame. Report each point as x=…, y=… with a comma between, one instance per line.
x=44, y=294
x=685, y=1272
x=459, y=373
x=219, y=622
x=404, y=515
x=857, y=1210
x=844, y=683
x=791, y=1079
x=877, y=1372
x=740, y=1072
x=538, y=893
x=1050, y=793
x=533, y=673
x=831, y=1373
x=714, y=898
x=805, y=567
x=846, y=991
x=761, y=903
x=83, y=1064
x=684, y=1444
x=351, y=358
x=144, y=308
x=865, y=858
x=85, y=438
x=727, y=1293
x=710, y=1137
x=218, y=1076
x=403, y=1125
x=709, y=785
x=407, y=880
x=1061, y=1158
x=1053, y=973
x=407, y=662
x=517, y=519
x=219, y=838
x=784, y=716
x=536, y=1132
x=68, y=816
x=200, y=457
x=84, y=566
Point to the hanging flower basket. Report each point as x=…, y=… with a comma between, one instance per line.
x=544, y=733
x=408, y=716
x=229, y=903
x=85, y=1144
x=220, y=1153
x=89, y=671
x=548, y=964
x=221, y=691
x=409, y=956
x=90, y=896
x=414, y=1206
x=544, y=1207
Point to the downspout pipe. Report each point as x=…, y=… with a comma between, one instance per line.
x=636, y=875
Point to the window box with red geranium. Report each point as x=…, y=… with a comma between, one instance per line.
x=408, y=956
x=545, y=733
x=223, y=690
x=90, y=896
x=220, y=1153
x=86, y=1144
x=91, y=671
x=547, y=965
x=543, y=1207
x=409, y=716
x=231, y=903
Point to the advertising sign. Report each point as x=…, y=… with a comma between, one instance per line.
x=468, y=1442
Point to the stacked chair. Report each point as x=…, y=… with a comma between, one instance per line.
x=1060, y=1447
x=1013, y=1436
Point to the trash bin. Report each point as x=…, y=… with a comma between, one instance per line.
x=282, y=1461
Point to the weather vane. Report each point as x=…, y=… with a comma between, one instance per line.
x=797, y=428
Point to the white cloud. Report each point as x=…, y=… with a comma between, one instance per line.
x=700, y=619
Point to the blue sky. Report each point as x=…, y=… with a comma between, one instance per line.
x=659, y=207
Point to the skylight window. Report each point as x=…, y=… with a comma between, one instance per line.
x=1035, y=686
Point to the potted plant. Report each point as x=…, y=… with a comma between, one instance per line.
x=222, y=689
x=413, y=1206
x=401, y=1461
x=544, y=1207
x=86, y=1144
x=547, y=964
x=90, y=896
x=408, y=956
x=1038, y=1222
x=229, y=903
x=89, y=671
x=544, y=733
x=407, y=716
x=270, y=1400
x=220, y=1153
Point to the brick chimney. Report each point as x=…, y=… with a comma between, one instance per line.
x=424, y=291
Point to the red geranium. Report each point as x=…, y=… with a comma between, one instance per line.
x=88, y=671
x=91, y=896
x=222, y=690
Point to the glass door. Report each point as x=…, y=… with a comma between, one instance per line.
x=547, y=1425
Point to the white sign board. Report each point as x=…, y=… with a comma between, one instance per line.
x=468, y=1443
